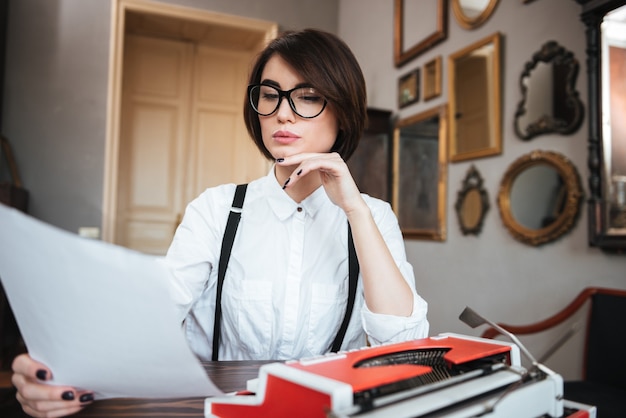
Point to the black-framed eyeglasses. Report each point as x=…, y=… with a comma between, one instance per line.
x=306, y=102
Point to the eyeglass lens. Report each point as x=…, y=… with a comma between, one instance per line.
x=305, y=101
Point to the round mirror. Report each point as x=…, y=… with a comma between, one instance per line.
x=539, y=197
x=472, y=13
x=546, y=187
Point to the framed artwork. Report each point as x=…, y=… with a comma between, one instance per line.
x=432, y=78
x=370, y=165
x=420, y=169
x=409, y=88
x=412, y=39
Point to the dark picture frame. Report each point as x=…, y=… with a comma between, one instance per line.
x=409, y=88
x=420, y=169
x=370, y=165
x=432, y=78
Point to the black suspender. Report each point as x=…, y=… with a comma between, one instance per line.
x=353, y=275
x=227, y=245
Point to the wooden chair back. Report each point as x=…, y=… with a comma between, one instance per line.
x=605, y=339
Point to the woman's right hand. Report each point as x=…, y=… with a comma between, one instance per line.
x=40, y=399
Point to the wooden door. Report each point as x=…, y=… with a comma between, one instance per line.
x=181, y=131
x=155, y=106
x=221, y=150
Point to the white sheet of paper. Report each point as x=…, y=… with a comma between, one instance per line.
x=98, y=315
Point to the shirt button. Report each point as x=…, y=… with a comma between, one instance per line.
x=299, y=209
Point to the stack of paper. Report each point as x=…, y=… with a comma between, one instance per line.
x=100, y=316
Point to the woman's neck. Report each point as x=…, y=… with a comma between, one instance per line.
x=302, y=188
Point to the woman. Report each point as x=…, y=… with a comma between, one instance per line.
x=285, y=287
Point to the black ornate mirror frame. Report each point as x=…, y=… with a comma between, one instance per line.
x=473, y=182
x=599, y=234
x=565, y=220
x=551, y=53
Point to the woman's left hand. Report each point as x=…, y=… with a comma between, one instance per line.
x=334, y=175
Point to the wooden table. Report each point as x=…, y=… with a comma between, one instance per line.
x=229, y=376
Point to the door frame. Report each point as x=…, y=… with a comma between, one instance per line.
x=120, y=8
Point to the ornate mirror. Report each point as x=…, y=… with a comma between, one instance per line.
x=472, y=203
x=539, y=197
x=474, y=97
x=472, y=13
x=605, y=22
x=550, y=102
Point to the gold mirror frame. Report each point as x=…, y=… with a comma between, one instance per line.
x=420, y=170
x=468, y=22
x=472, y=203
x=485, y=119
x=404, y=53
x=570, y=197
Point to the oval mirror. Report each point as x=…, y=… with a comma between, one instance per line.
x=539, y=197
x=550, y=102
x=472, y=203
x=472, y=13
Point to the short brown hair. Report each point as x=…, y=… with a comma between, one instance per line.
x=326, y=62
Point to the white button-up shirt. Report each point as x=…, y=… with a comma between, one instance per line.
x=286, y=286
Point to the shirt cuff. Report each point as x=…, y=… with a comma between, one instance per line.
x=383, y=328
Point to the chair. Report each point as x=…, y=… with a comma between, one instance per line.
x=604, y=362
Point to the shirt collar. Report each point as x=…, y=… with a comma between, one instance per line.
x=284, y=207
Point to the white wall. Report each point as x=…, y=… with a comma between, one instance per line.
x=499, y=277
x=54, y=111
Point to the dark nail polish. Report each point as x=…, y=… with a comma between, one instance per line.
x=68, y=396
x=87, y=397
x=280, y=160
x=299, y=172
x=41, y=374
x=286, y=183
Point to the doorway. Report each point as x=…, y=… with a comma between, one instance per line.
x=175, y=119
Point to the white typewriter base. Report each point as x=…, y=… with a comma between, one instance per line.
x=531, y=400
x=589, y=409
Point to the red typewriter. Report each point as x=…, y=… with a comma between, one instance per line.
x=448, y=375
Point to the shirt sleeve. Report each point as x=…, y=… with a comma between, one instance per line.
x=195, y=246
x=383, y=328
